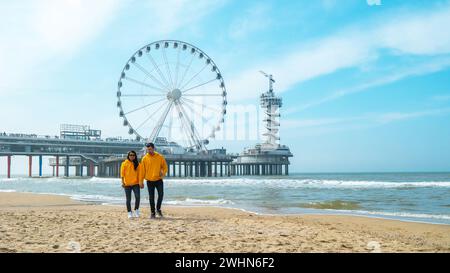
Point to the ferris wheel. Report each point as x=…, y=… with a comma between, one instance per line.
x=172, y=89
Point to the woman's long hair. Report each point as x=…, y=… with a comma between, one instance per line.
x=135, y=161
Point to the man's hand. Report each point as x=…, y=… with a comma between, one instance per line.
x=141, y=185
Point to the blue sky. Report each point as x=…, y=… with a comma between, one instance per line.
x=365, y=87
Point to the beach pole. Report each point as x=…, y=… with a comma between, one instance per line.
x=9, y=166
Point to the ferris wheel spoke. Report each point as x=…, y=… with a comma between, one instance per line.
x=187, y=69
x=170, y=127
x=144, y=84
x=151, y=115
x=183, y=129
x=168, y=67
x=158, y=70
x=145, y=106
x=200, y=85
x=201, y=104
x=148, y=74
x=197, y=113
x=187, y=127
x=203, y=95
x=177, y=69
x=160, y=123
x=192, y=127
x=141, y=95
x=195, y=76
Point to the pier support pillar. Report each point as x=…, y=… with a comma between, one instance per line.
x=286, y=169
x=30, y=165
x=40, y=166
x=57, y=165
x=66, y=169
x=91, y=169
x=9, y=166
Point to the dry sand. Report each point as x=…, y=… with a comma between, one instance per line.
x=46, y=223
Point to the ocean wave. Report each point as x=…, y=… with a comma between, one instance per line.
x=307, y=183
x=283, y=183
x=397, y=214
x=7, y=190
x=333, y=205
x=193, y=202
x=96, y=198
x=105, y=180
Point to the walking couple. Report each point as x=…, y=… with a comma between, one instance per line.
x=152, y=168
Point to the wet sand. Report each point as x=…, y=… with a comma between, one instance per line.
x=47, y=223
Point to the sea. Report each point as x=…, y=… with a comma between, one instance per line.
x=417, y=197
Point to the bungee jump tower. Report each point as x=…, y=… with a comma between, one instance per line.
x=268, y=157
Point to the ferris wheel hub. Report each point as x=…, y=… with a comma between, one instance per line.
x=174, y=95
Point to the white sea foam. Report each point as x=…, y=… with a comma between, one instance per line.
x=7, y=190
x=193, y=202
x=397, y=214
x=96, y=198
x=260, y=182
x=307, y=183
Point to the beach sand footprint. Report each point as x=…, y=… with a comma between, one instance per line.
x=374, y=247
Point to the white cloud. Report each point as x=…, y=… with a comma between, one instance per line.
x=441, y=98
x=35, y=32
x=362, y=121
x=419, y=34
x=398, y=116
x=420, y=69
x=254, y=19
x=170, y=15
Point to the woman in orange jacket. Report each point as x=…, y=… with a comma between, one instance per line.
x=129, y=172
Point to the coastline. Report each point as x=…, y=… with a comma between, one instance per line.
x=51, y=223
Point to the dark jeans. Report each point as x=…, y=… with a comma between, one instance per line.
x=151, y=185
x=137, y=196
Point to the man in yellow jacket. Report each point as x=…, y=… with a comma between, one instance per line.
x=153, y=169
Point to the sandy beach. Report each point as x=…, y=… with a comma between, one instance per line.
x=46, y=223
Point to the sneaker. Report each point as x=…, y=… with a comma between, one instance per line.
x=160, y=214
x=137, y=214
x=130, y=215
x=152, y=216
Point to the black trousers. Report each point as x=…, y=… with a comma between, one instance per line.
x=137, y=196
x=159, y=186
